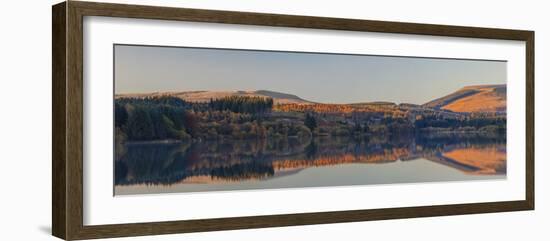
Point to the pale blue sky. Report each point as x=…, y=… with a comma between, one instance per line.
x=325, y=78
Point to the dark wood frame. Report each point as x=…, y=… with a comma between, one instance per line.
x=67, y=164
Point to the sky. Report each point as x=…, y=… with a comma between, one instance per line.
x=318, y=77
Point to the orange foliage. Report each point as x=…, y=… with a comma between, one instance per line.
x=383, y=157
x=341, y=108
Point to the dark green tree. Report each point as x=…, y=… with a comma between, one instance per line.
x=121, y=115
x=191, y=123
x=140, y=125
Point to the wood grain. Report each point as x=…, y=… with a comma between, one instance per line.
x=67, y=82
x=59, y=127
x=530, y=120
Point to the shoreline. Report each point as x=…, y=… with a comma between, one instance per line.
x=426, y=133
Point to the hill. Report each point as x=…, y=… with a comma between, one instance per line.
x=205, y=96
x=478, y=98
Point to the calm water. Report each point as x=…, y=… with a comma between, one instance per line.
x=292, y=163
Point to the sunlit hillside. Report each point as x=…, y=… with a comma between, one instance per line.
x=480, y=98
x=206, y=96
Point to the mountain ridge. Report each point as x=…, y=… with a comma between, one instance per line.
x=474, y=98
x=205, y=96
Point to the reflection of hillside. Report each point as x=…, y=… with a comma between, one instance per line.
x=383, y=157
x=256, y=160
x=488, y=160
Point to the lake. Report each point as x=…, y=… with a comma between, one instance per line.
x=149, y=167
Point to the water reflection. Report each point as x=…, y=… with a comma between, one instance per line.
x=208, y=162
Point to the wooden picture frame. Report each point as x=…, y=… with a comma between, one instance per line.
x=67, y=152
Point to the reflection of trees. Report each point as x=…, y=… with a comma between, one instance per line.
x=258, y=159
x=311, y=150
x=253, y=170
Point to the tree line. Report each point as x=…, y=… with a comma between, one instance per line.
x=166, y=117
x=242, y=104
x=244, y=117
x=155, y=118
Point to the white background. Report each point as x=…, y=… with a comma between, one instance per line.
x=25, y=123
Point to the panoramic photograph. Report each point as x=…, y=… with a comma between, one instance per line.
x=203, y=119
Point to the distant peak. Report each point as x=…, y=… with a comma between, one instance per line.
x=270, y=91
x=484, y=86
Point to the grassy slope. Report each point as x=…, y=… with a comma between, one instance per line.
x=205, y=96
x=482, y=98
